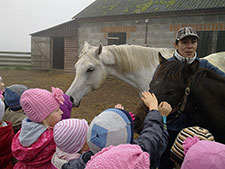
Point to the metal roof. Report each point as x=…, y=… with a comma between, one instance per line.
x=125, y=7
x=66, y=29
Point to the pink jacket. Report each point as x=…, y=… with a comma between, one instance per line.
x=38, y=155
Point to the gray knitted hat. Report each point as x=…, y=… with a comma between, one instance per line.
x=12, y=96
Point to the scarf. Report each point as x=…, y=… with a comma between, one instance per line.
x=183, y=59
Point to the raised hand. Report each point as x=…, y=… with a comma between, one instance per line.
x=165, y=108
x=150, y=100
x=119, y=106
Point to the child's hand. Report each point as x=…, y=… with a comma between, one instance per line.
x=150, y=100
x=119, y=106
x=165, y=108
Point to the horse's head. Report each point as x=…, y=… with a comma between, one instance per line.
x=169, y=84
x=171, y=80
x=90, y=73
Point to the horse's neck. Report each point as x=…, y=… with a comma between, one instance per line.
x=132, y=70
x=208, y=99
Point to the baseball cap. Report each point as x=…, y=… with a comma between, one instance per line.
x=186, y=31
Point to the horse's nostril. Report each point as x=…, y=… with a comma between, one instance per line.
x=71, y=99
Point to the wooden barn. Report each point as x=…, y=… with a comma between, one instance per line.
x=143, y=22
x=55, y=48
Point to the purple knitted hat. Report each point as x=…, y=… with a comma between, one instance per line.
x=38, y=104
x=70, y=135
x=66, y=107
x=203, y=154
x=129, y=156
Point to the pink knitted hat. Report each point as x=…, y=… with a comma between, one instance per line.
x=203, y=154
x=38, y=104
x=70, y=135
x=122, y=156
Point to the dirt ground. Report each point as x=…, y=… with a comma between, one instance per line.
x=113, y=92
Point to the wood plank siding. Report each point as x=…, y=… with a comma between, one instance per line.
x=67, y=29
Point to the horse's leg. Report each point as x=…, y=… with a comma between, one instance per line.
x=140, y=113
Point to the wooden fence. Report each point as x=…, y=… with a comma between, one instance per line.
x=15, y=59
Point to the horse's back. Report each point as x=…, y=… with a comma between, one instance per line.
x=217, y=59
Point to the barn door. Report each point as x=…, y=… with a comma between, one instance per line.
x=220, y=41
x=116, y=38
x=58, y=53
x=40, y=53
x=205, y=43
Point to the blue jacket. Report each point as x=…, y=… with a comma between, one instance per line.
x=153, y=139
x=205, y=64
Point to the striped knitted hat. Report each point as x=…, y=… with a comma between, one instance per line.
x=70, y=135
x=111, y=127
x=177, y=150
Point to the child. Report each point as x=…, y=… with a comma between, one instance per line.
x=14, y=113
x=33, y=145
x=6, y=137
x=70, y=136
x=177, y=149
x=122, y=156
x=2, y=85
x=203, y=154
x=115, y=126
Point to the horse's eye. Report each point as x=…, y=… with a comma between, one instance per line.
x=90, y=69
x=171, y=93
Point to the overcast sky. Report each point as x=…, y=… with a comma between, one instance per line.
x=20, y=18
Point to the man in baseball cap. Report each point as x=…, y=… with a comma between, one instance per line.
x=186, y=31
x=185, y=44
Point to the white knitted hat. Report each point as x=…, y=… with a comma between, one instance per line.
x=111, y=127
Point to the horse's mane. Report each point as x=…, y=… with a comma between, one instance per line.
x=130, y=58
x=172, y=70
x=169, y=70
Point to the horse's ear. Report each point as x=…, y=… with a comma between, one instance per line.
x=161, y=58
x=98, y=51
x=86, y=44
x=194, y=66
x=191, y=69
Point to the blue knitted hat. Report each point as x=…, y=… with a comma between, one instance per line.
x=12, y=96
x=111, y=127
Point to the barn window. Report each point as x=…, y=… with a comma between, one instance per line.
x=117, y=38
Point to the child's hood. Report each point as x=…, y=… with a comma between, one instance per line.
x=30, y=132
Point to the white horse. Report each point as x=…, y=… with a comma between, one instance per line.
x=217, y=59
x=132, y=64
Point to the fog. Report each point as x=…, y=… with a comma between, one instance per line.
x=20, y=18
